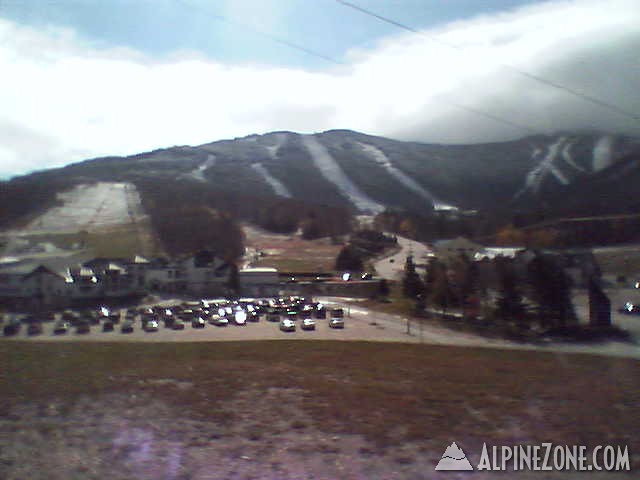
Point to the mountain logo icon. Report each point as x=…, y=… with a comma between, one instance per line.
x=452, y=459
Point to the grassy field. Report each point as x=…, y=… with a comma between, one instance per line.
x=120, y=241
x=290, y=253
x=388, y=393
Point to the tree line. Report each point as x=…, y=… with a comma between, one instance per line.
x=538, y=296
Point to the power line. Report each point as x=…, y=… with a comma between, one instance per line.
x=530, y=76
x=270, y=36
x=285, y=42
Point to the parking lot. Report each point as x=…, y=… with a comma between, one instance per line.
x=356, y=327
x=359, y=324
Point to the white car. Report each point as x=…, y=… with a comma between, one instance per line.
x=336, y=322
x=287, y=325
x=240, y=318
x=308, y=324
x=151, y=326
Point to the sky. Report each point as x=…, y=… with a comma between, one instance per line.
x=88, y=78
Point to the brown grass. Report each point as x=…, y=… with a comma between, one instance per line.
x=389, y=393
x=118, y=241
x=290, y=253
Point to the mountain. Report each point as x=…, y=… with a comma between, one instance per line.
x=352, y=171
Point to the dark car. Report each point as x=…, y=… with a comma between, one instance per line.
x=178, y=324
x=107, y=326
x=70, y=316
x=168, y=320
x=12, y=328
x=61, y=327
x=127, y=327
x=35, y=328
x=83, y=327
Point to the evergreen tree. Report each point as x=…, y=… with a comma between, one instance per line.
x=551, y=290
x=349, y=259
x=233, y=283
x=440, y=290
x=509, y=304
x=411, y=284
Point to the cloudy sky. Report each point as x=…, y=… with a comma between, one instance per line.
x=87, y=78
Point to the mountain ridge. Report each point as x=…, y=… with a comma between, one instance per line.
x=365, y=173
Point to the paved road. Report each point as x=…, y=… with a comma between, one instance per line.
x=391, y=267
x=395, y=327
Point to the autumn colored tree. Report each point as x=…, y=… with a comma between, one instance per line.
x=510, y=236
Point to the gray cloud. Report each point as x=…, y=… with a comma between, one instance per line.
x=64, y=101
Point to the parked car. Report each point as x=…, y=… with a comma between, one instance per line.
x=83, y=327
x=198, y=322
x=178, y=324
x=61, y=327
x=127, y=327
x=630, y=309
x=287, y=325
x=107, y=326
x=91, y=316
x=273, y=317
x=240, y=318
x=70, y=316
x=218, y=321
x=321, y=311
x=12, y=328
x=308, y=324
x=151, y=325
x=336, y=323
x=168, y=317
x=35, y=328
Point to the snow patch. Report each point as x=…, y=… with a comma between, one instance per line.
x=382, y=160
x=87, y=207
x=198, y=173
x=566, y=155
x=545, y=167
x=602, y=153
x=276, y=184
x=273, y=149
x=330, y=169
